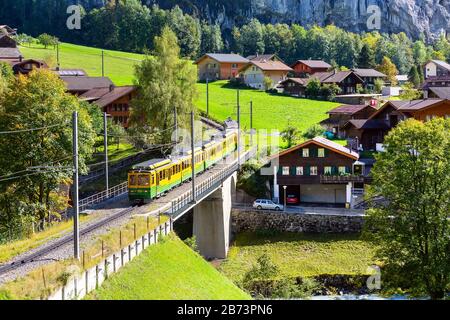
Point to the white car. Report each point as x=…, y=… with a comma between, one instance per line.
x=264, y=204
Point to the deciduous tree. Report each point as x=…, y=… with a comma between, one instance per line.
x=412, y=225
x=165, y=83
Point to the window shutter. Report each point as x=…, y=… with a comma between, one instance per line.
x=327, y=152
x=307, y=170
x=280, y=171
x=293, y=171
x=334, y=170
x=347, y=169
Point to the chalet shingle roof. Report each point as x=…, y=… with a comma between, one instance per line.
x=368, y=124
x=441, y=92
x=225, y=58
x=300, y=81
x=442, y=64
x=269, y=65
x=349, y=109
x=314, y=64
x=10, y=53
x=369, y=73
x=415, y=105
x=86, y=83
x=324, y=143
x=261, y=57
x=106, y=96
x=333, y=76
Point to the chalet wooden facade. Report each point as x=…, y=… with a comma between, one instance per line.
x=370, y=76
x=256, y=71
x=115, y=101
x=319, y=171
x=305, y=68
x=347, y=81
x=218, y=66
x=371, y=132
x=294, y=86
x=338, y=117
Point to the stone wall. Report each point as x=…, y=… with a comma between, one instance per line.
x=253, y=220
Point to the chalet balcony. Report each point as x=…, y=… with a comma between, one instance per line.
x=339, y=179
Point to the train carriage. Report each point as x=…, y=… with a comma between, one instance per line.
x=151, y=179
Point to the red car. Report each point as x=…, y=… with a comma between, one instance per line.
x=292, y=199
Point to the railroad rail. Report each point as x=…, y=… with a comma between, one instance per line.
x=61, y=242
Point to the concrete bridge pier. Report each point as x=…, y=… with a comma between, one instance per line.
x=212, y=221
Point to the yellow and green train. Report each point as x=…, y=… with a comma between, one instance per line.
x=151, y=179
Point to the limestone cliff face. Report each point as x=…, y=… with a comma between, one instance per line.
x=430, y=17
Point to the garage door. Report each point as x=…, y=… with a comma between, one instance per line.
x=317, y=193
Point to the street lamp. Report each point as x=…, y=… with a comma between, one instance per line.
x=284, y=207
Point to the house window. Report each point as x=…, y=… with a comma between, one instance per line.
x=341, y=170
x=305, y=153
x=328, y=170
x=299, y=171
x=285, y=171
x=313, y=171
x=321, y=153
x=234, y=66
x=428, y=118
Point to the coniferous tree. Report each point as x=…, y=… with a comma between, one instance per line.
x=366, y=57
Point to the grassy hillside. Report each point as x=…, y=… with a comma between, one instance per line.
x=269, y=111
x=169, y=270
x=300, y=254
x=119, y=66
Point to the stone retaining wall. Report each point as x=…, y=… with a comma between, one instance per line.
x=253, y=220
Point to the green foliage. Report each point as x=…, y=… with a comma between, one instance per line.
x=314, y=131
x=313, y=88
x=192, y=243
x=268, y=83
x=290, y=135
x=389, y=69
x=379, y=84
x=409, y=92
x=366, y=57
x=165, y=82
x=212, y=41
x=262, y=280
x=414, y=77
x=329, y=91
x=38, y=101
x=47, y=40
x=413, y=230
x=251, y=181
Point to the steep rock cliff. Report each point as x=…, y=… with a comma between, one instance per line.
x=430, y=17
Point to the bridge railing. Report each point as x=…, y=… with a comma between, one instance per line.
x=100, y=197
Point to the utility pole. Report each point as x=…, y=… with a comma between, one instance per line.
x=57, y=55
x=103, y=63
x=105, y=145
x=251, y=123
x=175, y=121
x=239, y=129
x=194, y=200
x=207, y=97
x=76, y=231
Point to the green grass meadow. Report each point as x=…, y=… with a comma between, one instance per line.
x=169, y=270
x=119, y=66
x=298, y=254
x=270, y=111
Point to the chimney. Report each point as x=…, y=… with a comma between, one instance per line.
x=20, y=58
x=111, y=87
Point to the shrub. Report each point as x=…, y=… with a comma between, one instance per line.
x=314, y=131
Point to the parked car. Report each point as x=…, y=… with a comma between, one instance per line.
x=264, y=204
x=292, y=199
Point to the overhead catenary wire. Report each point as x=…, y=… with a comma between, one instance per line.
x=32, y=129
x=30, y=168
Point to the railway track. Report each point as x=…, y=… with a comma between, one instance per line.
x=5, y=268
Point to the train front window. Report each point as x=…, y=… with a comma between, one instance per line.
x=133, y=180
x=144, y=180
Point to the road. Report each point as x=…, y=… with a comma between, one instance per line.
x=308, y=210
